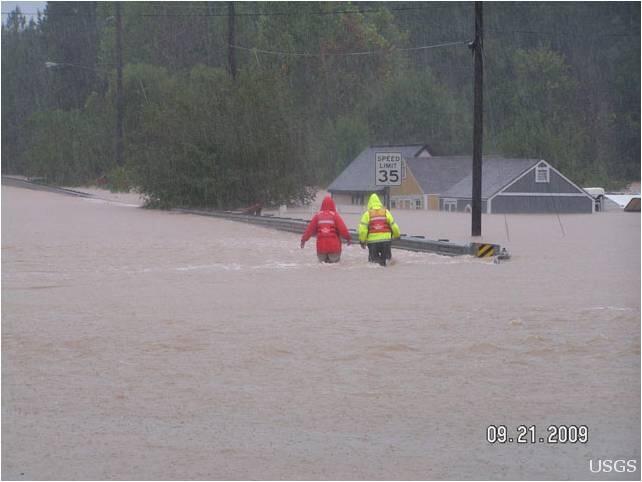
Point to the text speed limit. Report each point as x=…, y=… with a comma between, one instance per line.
x=388, y=169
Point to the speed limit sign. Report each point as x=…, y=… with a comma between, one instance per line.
x=388, y=169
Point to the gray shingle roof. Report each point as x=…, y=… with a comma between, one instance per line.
x=447, y=176
x=435, y=175
x=359, y=175
x=496, y=173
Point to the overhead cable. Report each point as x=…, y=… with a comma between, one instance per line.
x=337, y=54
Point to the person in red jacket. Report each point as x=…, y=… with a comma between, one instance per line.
x=327, y=225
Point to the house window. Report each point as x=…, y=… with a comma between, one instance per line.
x=542, y=173
x=393, y=204
x=357, y=198
x=417, y=203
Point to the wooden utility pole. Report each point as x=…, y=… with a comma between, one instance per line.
x=119, y=87
x=478, y=122
x=210, y=14
x=231, y=25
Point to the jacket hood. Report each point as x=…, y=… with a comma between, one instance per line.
x=328, y=204
x=374, y=202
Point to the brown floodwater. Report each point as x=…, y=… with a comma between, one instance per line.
x=141, y=344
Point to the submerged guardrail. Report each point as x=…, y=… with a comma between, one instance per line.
x=405, y=242
x=296, y=225
x=17, y=181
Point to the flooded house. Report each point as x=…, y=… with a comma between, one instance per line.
x=445, y=183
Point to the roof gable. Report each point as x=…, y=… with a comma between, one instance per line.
x=497, y=172
x=557, y=182
x=359, y=175
x=448, y=176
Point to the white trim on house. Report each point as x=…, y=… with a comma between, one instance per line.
x=581, y=192
x=570, y=182
x=529, y=169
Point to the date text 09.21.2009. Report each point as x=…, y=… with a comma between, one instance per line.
x=527, y=434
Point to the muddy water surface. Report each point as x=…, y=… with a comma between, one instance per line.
x=141, y=344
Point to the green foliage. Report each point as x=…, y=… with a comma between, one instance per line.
x=216, y=143
x=70, y=38
x=119, y=179
x=305, y=101
x=415, y=108
x=23, y=86
x=541, y=110
x=65, y=147
x=351, y=137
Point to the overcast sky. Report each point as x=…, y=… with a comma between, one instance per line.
x=30, y=9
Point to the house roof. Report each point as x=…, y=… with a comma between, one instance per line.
x=435, y=175
x=448, y=176
x=359, y=175
x=496, y=173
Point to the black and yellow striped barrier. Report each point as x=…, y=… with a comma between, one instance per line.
x=485, y=250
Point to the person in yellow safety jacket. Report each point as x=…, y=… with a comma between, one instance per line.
x=377, y=229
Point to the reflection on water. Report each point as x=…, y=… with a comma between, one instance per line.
x=146, y=344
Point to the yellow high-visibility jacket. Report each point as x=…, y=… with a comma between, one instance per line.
x=377, y=224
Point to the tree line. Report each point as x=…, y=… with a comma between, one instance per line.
x=228, y=104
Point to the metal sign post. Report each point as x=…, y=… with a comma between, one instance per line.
x=388, y=171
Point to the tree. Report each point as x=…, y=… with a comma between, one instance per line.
x=66, y=147
x=70, y=34
x=540, y=115
x=317, y=82
x=415, y=108
x=214, y=143
x=24, y=85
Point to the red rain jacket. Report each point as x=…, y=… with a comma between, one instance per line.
x=327, y=225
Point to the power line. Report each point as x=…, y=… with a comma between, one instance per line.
x=337, y=54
